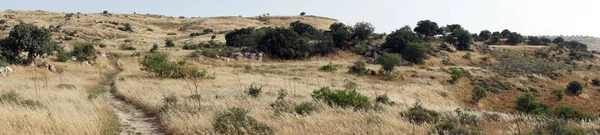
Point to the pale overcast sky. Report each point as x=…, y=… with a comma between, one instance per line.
x=529, y=17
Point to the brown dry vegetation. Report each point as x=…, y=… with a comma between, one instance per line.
x=64, y=108
x=68, y=111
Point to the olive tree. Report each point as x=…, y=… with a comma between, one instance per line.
x=427, y=28
x=362, y=30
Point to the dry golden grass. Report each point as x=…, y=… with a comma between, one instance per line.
x=64, y=110
x=70, y=112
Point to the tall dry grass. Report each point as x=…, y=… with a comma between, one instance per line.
x=300, y=78
x=63, y=110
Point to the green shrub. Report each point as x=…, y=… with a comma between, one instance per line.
x=102, y=46
x=478, y=94
x=399, y=39
x=362, y=30
x=569, y=113
x=575, y=87
x=557, y=127
x=305, y=108
x=154, y=48
x=127, y=47
x=169, y=43
x=361, y=49
x=25, y=38
x=245, y=37
x=329, y=67
x=237, y=121
x=467, y=119
x=13, y=97
x=558, y=93
x=340, y=34
x=84, y=51
x=384, y=99
x=419, y=115
x=515, y=38
x=389, y=61
x=358, y=67
x=3, y=63
x=341, y=98
x=414, y=53
x=159, y=65
x=301, y=28
x=171, y=33
x=596, y=82
x=526, y=103
x=427, y=28
x=254, y=91
x=62, y=56
x=457, y=73
x=388, y=75
x=207, y=30
x=284, y=43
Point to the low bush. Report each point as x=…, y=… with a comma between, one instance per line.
x=127, y=47
x=84, y=51
x=558, y=93
x=478, y=94
x=13, y=97
x=329, y=67
x=341, y=98
x=254, y=91
x=527, y=103
x=389, y=61
x=389, y=75
x=457, y=73
x=419, y=115
x=172, y=33
x=237, y=121
x=569, y=113
x=62, y=56
x=154, y=48
x=305, y=108
x=169, y=43
x=557, y=127
x=159, y=65
x=575, y=87
x=596, y=82
x=358, y=67
x=282, y=106
x=384, y=99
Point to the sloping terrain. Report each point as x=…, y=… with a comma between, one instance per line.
x=191, y=106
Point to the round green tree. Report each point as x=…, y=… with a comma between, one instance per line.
x=389, y=61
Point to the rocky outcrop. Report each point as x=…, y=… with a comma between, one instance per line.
x=5, y=70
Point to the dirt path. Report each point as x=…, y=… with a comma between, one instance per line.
x=133, y=121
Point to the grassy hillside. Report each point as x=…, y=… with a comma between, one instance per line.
x=287, y=96
x=147, y=29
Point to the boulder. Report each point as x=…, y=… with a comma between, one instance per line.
x=445, y=59
x=451, y=48
x=368, y=54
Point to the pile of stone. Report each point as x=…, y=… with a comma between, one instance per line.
x=247, y=56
